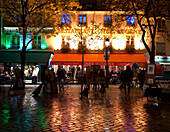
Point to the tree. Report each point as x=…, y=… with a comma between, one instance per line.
x=34, y=16
x=148, y=13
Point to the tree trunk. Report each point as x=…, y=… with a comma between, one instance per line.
x=152, y=57
x=23, y=57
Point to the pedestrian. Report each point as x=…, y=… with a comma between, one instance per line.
x=72, y=72
x=95, y=78
x=141, y=78
x=121, y=77
x=60, y=76
x=128, y=76
x=78, y=75
x=102, y=80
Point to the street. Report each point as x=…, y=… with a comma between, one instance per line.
x=66, y=112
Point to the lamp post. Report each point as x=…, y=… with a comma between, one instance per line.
x=82, y=72
x=107, y=42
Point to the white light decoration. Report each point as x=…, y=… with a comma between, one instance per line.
x=119, y=43
x=55, y=42
x=138, y=43
x=107, y=42
x=74, y=41
x=94, y=43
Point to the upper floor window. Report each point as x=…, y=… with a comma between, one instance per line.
x=131, y=20
x=65, y=18
x=160, y=49
x=107, y=20
x=161, y=26
x=82, y=19
x=15, y=42
x=36, y=44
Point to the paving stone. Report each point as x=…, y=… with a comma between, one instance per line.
x=112, y=111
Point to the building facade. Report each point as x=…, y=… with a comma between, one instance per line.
x=90, y=29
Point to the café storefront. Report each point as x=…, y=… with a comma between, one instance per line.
x=34, y=62
x=115, y=60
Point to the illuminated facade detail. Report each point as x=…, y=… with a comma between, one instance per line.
x=120, y=38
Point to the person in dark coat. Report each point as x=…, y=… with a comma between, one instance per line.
x=128, y=75
x=61, y=76
x=141, y=78
x=121, y=77
x=102, y=80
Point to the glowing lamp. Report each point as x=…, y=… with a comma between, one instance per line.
x=107, y=42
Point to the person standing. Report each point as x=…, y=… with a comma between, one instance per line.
x=128, y=75
x=102, y=80
x=95, y=78
x=141, y=78
x=60, y=76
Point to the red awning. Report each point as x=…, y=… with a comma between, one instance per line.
x=116, y=59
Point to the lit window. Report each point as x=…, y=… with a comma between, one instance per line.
x=15, y=41
x=107, y=20
x=130, y=42
x=36, y=44
x=82, y=19
x=65, y=41
x=65, y=18
x=131, y=20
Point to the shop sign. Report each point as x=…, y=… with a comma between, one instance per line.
x=100, y=31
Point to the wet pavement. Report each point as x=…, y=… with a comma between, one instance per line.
x=66, y=112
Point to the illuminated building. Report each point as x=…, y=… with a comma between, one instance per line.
x=125, y=42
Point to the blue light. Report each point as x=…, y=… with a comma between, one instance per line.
x=131, y=20
x=65, y=18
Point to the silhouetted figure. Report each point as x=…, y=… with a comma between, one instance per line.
x=95, y=78
x=128, y=75
x=122, y=84
x=141, y=78
x=61, y=76
x=102, y=80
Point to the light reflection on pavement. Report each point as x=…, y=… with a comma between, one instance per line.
x=112, y=111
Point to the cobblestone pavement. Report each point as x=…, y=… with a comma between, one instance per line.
x=112, y=111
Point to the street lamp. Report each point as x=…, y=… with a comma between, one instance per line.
x=107, y=42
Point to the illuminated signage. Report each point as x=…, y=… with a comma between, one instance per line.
x=102, y=31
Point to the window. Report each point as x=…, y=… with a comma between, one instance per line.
x=161, y=26
x=130, y=42
x=107, y=20
x=15, y=42
x=160, y=49
x=131, y=20
x=65, y=18
x=82, y=19
x=65, y=41
x=36, y=45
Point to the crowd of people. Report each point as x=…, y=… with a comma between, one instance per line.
x=94, y=77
